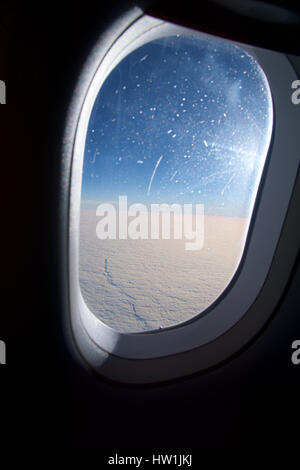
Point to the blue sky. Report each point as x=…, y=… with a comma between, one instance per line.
x=183, y=119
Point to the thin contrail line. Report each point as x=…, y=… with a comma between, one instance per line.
x=153, y=174
x=175, y=172
x=227, y=184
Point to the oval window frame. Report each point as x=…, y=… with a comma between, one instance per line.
x=134, y=357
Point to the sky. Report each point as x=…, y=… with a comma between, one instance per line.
x=182, y=119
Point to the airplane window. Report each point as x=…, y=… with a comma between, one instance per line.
x=174, y=152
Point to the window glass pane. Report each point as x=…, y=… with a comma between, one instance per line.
x=184, y=122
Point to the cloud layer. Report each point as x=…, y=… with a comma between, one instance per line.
x=141, y=285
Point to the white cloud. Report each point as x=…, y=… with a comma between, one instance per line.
x=137, y=285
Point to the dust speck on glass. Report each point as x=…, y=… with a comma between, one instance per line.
x=181, y=120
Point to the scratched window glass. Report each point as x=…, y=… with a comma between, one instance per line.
x=174, y=152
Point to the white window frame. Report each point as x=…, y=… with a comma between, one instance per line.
x=190, y=346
